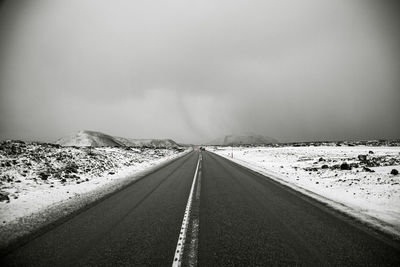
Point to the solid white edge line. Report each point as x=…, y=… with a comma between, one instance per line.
x=177, y=261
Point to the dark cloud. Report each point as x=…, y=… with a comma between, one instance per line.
x=196, y=70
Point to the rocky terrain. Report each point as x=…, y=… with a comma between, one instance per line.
x=48, y=164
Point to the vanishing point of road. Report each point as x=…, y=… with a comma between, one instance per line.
x=204, y=210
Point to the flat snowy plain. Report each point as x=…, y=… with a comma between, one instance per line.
x=367, y=191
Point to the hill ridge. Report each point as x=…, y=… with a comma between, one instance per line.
x=243, y=139
x=89, y=138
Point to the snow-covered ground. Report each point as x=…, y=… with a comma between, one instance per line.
x=363, y=188
x=34, y=177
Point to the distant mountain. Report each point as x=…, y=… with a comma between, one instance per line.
x=98, y=139
x=156, y=143
x=243, y=139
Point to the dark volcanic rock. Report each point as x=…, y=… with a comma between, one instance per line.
x=4, y=197
x=362, y=157
x=336, y=166
x=43, y=175
x=311, y=169
x=373, y=163
x=354, y=165
x=394, y=172
x=345, y=166
x=366, y=169
x=324, y=166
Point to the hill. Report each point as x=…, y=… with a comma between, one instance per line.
x=98, y=139
x=88, y=138
x=243, y=139
x=155, y=143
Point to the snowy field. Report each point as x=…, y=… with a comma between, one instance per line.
x=36, y=178
x=357, y=180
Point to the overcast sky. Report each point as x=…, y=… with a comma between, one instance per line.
x=196, y=70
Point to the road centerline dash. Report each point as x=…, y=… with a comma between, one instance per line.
x=177, y=261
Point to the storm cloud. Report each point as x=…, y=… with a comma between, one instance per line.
x=196, y=70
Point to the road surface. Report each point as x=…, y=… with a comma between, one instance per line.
x=235, y=218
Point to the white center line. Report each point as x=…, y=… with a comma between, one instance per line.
x=182, y=235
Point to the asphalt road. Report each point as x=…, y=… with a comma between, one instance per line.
x=244, y=219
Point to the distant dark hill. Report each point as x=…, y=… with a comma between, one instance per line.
x=155, y=143
x=243, y=139
x=97, y=139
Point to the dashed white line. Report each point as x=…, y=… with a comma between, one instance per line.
x=182, y=235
